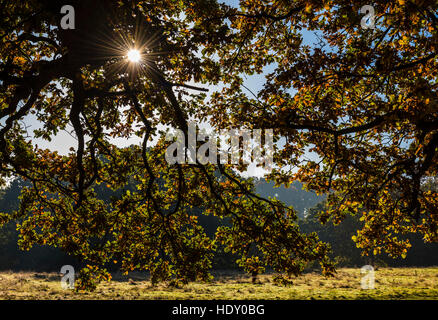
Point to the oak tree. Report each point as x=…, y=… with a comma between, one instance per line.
x=357, y=110
x=80, y=81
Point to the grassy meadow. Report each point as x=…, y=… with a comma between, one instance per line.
x=390, y=283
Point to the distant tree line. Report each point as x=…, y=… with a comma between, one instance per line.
x=307, y=204
x=345, y=252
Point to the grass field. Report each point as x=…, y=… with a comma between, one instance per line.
x=390, y=283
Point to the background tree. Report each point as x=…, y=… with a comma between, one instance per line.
x=81, y=80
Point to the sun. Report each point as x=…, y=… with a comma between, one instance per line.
x=134, y=56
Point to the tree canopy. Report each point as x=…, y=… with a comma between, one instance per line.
x=362, y=102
